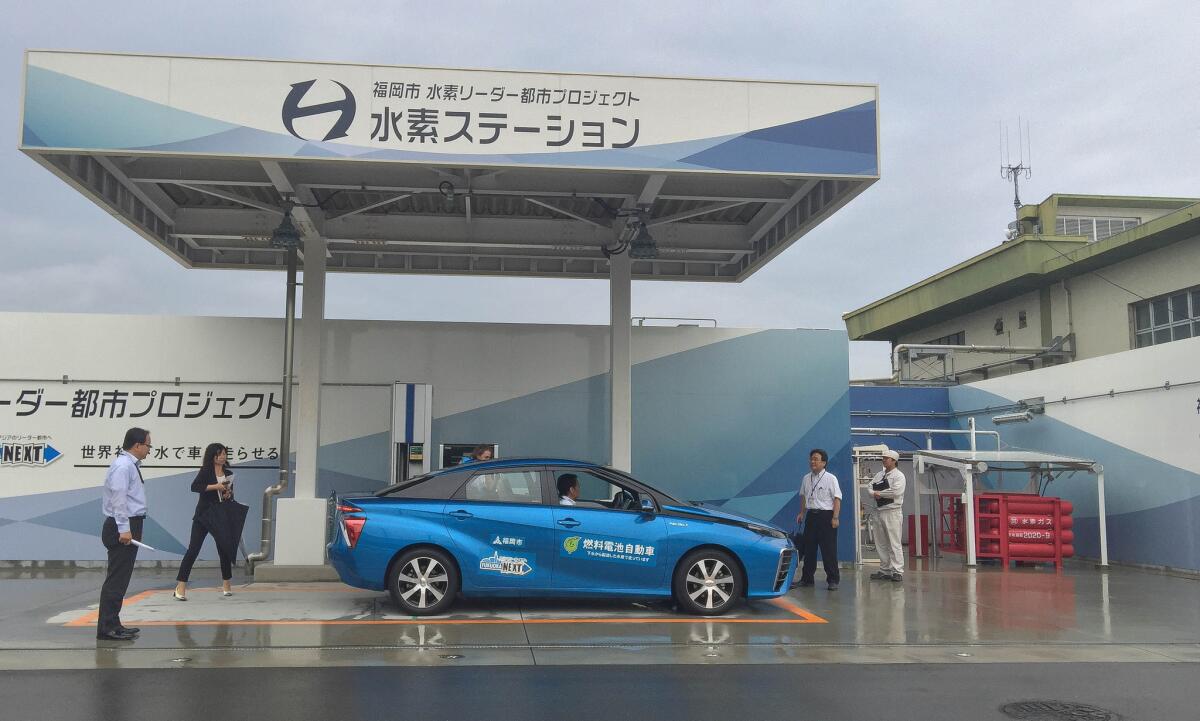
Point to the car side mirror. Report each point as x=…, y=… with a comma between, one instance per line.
x=648, y=506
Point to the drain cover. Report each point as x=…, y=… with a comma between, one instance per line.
x=1057, y=711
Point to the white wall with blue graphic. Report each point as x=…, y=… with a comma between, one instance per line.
x=721, y=415
x=1138, y=414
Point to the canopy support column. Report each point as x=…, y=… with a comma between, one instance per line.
x=1099, y=471
x=299, y=531
x=620, y=371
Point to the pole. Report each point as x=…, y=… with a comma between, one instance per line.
x=969, y=483
x=285, y=413
x=1103, y=516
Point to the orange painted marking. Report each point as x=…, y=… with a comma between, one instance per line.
x=90, y=618
x=809, y=617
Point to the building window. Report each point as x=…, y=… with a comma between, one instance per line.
x=1022, y=320
x=959, y=338
x=1094, y=228
x=1170, y=317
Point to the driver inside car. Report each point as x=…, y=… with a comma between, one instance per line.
x=568, y=489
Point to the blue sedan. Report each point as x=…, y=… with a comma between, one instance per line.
x=502, y=528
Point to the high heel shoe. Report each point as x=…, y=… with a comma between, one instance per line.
x=178, y=597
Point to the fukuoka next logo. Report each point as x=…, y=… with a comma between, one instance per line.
x=27, y=454
x=293, y=110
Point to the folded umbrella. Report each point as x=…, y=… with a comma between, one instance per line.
x=225, y=522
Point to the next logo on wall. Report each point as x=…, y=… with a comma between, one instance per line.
x=26, y=451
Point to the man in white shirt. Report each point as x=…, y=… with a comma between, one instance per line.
x=820, y=509
x=887, y=488
x=123, y=503
x=568, y=489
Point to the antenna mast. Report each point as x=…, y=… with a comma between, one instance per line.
x=1024, y=164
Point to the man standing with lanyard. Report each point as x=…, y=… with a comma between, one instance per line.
x=124, y=506
x=887, y=488
x=820, y=507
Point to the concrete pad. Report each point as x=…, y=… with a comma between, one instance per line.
x=275, y=573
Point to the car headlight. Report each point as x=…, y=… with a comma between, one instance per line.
x=766, y=531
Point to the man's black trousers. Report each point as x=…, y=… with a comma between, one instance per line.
x=819, y=533
x=120, y=570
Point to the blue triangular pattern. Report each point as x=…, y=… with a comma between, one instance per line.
x=851, y=130
x=314, y=150
x=770, y=156
x=82, y=518
x=30, y=138
x=85, y=518
x=766, y=506
x=249, y=141
x=788, y=469
x=158, y=537
x=54, y=103
x=841, y=142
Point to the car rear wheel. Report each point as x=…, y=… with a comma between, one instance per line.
x=423, y=582
x=707, y=582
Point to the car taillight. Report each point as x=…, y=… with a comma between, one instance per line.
x=353, y=527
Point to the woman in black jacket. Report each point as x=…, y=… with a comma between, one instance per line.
x=214, y=483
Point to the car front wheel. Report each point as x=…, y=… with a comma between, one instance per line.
x=707, y=582
x=423, y=582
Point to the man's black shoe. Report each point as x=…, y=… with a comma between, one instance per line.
x=802, y=584
x=832, y=586
x=115, y=636
x=130, y=629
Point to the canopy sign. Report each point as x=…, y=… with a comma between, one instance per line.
x=263, y=109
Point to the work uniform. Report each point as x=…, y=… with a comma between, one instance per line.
x=819, y=492
x=124, y=505
x=886, y=520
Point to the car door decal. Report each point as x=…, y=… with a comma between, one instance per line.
x=607, y=548
x=506, y=565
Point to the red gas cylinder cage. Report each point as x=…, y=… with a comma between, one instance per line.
x=1010, y=527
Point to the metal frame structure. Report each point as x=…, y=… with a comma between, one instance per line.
x=972, y=464
x=387, y=217
x=439, y=216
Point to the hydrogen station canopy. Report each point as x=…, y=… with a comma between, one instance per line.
x=444, y=171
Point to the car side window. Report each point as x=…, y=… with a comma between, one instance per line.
x=439, y=486
x=504, y=487
x=599, y=492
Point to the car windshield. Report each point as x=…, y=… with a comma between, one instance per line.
x=666, y=496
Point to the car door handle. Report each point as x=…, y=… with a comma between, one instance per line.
x=461, y=515
x=568, y=522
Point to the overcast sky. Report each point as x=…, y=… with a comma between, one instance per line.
x=1109, y=88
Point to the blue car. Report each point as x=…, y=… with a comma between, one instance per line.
x=501, y=528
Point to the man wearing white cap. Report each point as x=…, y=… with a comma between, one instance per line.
x=887, y=488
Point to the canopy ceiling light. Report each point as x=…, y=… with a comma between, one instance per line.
x=643, y=246
x=286, y=235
